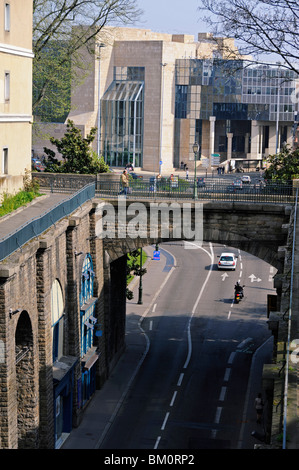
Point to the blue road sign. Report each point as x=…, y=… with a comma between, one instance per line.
x=156, y=255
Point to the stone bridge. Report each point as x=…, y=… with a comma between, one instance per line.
x=63, y=301
x=260, y=229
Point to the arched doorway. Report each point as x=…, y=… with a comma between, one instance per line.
x=26, y=381
x=63, y=368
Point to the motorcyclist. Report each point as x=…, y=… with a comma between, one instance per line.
x=238, y=289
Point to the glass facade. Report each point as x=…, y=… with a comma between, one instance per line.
x=235, y=92
x=87, y=328
x=122, y=117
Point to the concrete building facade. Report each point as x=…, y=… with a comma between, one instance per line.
x=15, y=92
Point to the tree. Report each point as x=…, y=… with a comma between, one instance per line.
x=77, y=155
x=283, y=166
x=133, y=266
x=261, y=27
x=60, y=29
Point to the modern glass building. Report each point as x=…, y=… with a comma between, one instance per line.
x=122, y=117
x=235, y=96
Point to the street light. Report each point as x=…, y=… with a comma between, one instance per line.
x=195, y=151
x=140, y=302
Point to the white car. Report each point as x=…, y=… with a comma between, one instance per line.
x=227, y=261
x=246, y=179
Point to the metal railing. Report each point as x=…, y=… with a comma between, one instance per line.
x=211, y=190
x=38, y=225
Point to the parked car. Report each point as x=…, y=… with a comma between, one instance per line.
x=37, y=165
x=238, y=184
x=227, y=261
x=201, y=182
x=135, y=176
x=246, y=179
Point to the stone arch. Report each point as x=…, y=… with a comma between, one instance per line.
x=27, y=399
x=268, y=253
x=260, y=229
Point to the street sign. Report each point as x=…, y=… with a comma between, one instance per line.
x=156, y=255
x=215, y=159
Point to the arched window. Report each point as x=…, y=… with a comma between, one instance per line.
x=57, y=312
x=87, y=305
x=87, y=279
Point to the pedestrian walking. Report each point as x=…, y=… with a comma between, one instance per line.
x=187, y=173
x=259, y=405
x=124, y=180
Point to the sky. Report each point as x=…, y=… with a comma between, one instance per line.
x=171, y=16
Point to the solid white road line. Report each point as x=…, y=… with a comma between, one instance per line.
x=195, y=306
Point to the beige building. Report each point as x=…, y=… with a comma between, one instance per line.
x=15, y=92
x=152, y=95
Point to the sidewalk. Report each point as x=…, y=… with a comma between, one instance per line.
x=10, y=223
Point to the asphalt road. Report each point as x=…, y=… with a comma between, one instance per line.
x=190, y=391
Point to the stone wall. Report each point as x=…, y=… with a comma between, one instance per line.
x=26, y=278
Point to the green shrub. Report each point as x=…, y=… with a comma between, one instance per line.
x=12, y=202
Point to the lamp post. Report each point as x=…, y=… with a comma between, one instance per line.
x=140, y=281
x=195, y=151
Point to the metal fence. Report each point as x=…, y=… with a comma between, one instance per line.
x=211, y=190
x=35, y=227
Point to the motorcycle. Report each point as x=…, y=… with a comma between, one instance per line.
x=239, y=296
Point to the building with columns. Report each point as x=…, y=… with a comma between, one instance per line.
x=152, y=95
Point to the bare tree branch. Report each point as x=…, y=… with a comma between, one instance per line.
x=262, y=28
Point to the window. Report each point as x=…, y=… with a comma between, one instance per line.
x=181, y=101
x=87, y=305
x=7, y=17
x=6, y=86
x=57, y=312
x=4, y=166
